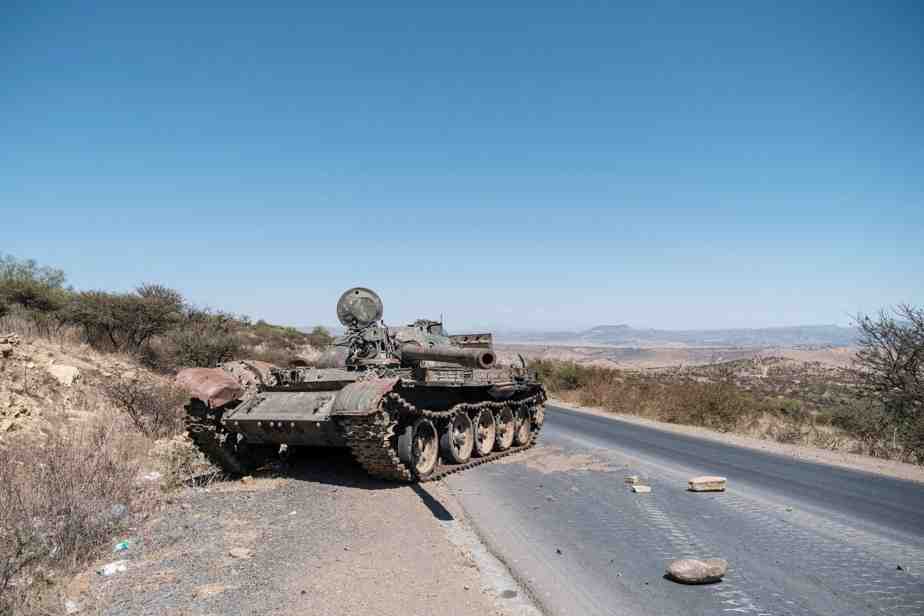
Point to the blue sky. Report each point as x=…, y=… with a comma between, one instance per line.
x=534, y=165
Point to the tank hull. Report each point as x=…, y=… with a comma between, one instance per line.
x=315, y=408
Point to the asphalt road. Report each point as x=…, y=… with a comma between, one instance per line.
x=801, y=538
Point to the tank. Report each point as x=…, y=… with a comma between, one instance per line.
x=411, y=403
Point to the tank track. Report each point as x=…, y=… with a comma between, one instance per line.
x=205, y=430
x=371, y=438
x=203, y=425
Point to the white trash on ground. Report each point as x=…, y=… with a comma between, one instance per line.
x=112, y=568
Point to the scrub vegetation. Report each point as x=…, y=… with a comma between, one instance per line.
x=876, y=407
x=86, y=458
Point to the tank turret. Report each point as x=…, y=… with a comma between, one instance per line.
x=371, y=343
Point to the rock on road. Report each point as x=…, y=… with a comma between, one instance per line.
x=801, y=538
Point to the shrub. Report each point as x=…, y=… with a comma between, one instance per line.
x=154, y=409
x=30, y=285
x=58, y=503
x=180, y=462
x=33, y=293
x=889, y=371
x=204, y=340
x=125, y=321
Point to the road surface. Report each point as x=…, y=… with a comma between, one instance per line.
x=801, y=538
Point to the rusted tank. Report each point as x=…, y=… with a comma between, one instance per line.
x=412, y=403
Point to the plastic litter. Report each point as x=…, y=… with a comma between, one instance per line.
x=112, y=568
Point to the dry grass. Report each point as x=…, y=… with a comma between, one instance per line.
x=772, y=398
x=59, y=502
x=30, y=324
x=155, y=409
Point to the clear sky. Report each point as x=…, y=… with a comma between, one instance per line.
x=527, y=165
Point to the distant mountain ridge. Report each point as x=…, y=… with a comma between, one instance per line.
x=626, y=335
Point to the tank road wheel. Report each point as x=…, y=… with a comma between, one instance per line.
x=485, y=432
x=539, y=416
x=418, y=448
x=521, y=433
x=457, y=441
x=505, y=429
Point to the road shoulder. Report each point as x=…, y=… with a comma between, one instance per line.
x=321, y=538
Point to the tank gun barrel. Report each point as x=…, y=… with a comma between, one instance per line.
x=471, y=358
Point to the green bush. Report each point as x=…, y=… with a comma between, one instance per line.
x=203, y=340
x=32, y=292
x=125, y=321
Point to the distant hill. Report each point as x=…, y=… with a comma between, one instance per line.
x=628, y=336
x=625, y=335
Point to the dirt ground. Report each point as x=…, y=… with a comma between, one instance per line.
x=323, y=539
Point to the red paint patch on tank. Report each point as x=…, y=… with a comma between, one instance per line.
x=213, y=386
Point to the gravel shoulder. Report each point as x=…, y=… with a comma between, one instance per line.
x=886, y=468
x=321, y=538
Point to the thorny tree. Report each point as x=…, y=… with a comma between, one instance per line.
x=890, y=367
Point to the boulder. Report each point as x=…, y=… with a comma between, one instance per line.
x=66, y=375
x=694, y=571
x=707, y=483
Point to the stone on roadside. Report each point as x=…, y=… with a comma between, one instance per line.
x=10, y=339
x=707, y=483
x=66, y=375
x=118, y=511
x=241, y=553
x=694, y=571
x=640, y=489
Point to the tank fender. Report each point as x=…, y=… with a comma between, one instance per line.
x=362, y=398
x=213, y=386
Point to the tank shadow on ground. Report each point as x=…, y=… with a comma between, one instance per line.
x=337, y=467
x=334, y=467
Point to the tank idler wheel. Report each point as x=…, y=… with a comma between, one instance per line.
x=505, y=429
x=521, y=433
x=458, y=440
x=485, y=432
x=418, y=448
